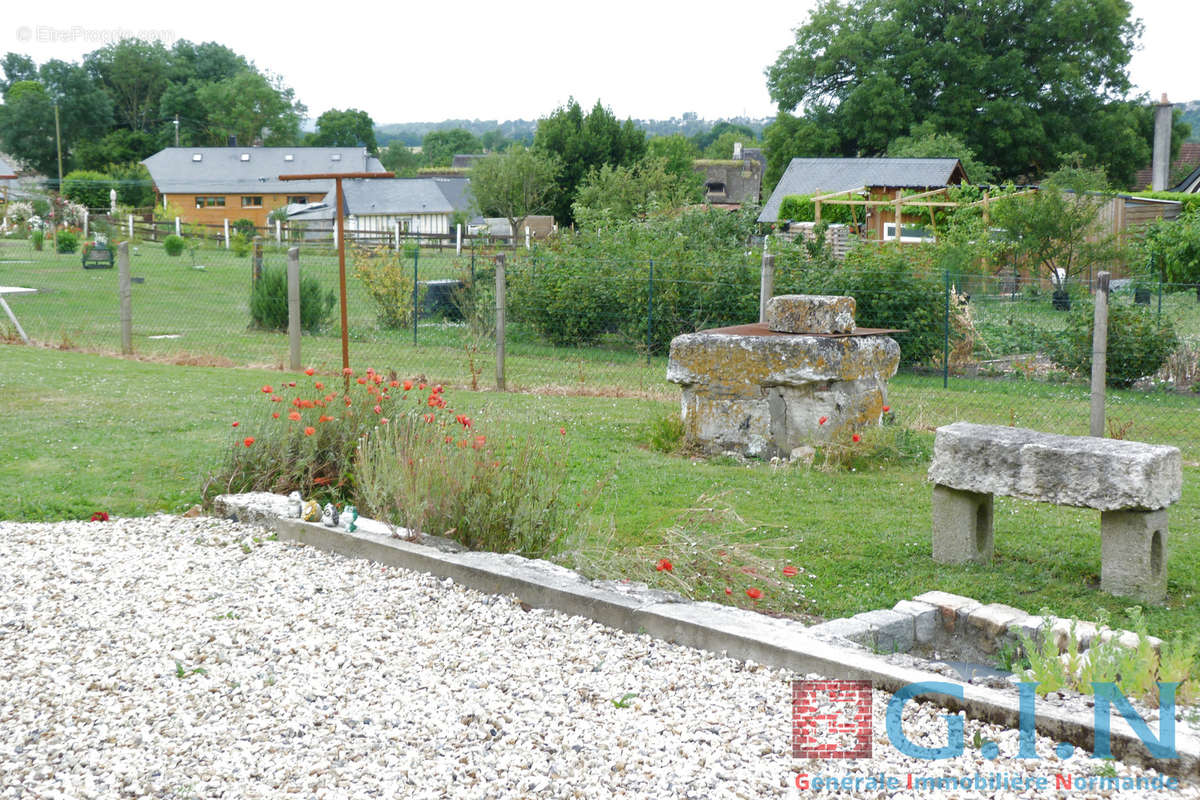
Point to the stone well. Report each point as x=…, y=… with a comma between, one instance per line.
x=762, y=389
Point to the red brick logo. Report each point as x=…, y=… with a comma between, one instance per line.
x=831, y=719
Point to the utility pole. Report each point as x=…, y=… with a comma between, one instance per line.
x=177, y=130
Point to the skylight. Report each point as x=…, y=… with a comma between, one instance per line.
x=197, y=156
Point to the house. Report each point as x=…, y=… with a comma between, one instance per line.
x=8, y=179
x=376, y=206
x=733, y=182
x=1188, y=161
x=874, y=179
x=209, y=185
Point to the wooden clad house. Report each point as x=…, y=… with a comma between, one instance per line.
x=209, y=185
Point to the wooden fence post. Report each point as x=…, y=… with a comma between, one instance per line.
x=126, y=294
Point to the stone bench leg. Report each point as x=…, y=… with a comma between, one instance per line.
x=1133, y=554
x=962, y=526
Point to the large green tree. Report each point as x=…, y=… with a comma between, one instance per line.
x=791, y=137
x=349, y=128
x=583, y=143
x=619, y=194
x=27, y=126
x=440, y=147
x=250, y=106
x=924, y=142
x=1018, y=81
x=514, y=184
x=134, y=73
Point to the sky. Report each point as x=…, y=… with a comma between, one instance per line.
x=416, y=62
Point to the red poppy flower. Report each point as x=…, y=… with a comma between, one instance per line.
x=856, y=438
x=664, y=565
x=292, y=384
x=236, y=424
x=347, y=402
x=393, y=384
x=310, y=430
x=361, y=381
x=429, y=417
x=320, y=481
x=790, y=571
x=754, y=593
x=437, y=389
x=276, y=399
x=275, y=415
x=562, y=431
x=421, y=386
x=407, y=385
x=450, y=439
x=267, y=390
x=378, y=409
x=348, y=372
x=249, y=440
x=325, y=418
x=383, y=420
x=822, y=420
x=309, y=371
x=728, y=590
x=294, y=416
x=480, y=441
x=887, y=409
x=319, y=386
x=100, y=516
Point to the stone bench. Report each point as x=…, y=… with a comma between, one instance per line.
x=1130, y=483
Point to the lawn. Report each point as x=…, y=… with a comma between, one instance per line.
x=86, y=432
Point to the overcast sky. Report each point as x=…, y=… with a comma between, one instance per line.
x=428, y=61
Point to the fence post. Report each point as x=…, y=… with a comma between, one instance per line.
x=500, y=303
x=293, y=279
x=123, y=287
x=1099, y=353
x=278, y=232
x=416, y=308
x=458, y=239
x=946, y=338
x=227, y=234
x=766, y=285
x=257, y=259
x=650, y=314
x=177, y=226
x=396, y=231
x=1158, y=317
x=85, y=224
x=526, y=237
x=131, y=226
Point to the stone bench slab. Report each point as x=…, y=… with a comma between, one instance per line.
x=1083, y=471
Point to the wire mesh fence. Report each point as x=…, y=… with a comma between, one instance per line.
x=986, y=349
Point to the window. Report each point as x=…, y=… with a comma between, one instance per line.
x=297, y=199
x=245, y=156
x=252, y=201
x=209, y=201
x=915, y=233
x=197, y=156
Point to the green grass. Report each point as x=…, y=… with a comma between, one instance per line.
x=86, y=433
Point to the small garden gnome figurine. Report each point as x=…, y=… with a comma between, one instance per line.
x=295, y=506
x=349, y=516
x=312, y=511
x=329, y=518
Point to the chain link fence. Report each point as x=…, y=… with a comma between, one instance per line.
x=993, y=349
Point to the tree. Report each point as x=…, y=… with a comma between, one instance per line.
x=791, y=137
x=514, y=184
x=722, y=146
x=1018, y=81
x=27, y=126
x=676, y=151
x=251, y=106
x=623, y=193
x=705, y=140
x=585, y=143
x=925, y=142
x=349, y=128
x=440, y=147
x=397, y=158
x=17, y=67
x=1054, y=229
x=87, y=188
x=134, y=73
x=120, y=146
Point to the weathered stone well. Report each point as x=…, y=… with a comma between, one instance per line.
x=763, y=389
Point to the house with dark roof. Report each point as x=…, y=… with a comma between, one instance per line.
x=209, y=185
x=374, y=207
x=8, y=179
x=873, y=179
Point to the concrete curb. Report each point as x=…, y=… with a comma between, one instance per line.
x=734, y=632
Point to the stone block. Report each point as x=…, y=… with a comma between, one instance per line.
x=810, y=313
x=850, y=629
x=1084, y=632
x=1028, y=626
x=988, y=625
x=891, y=632
x=925, y=619
x=1084, y=471
x=764, y=396
x=962, y=526
x=1133, y=554
x=953, y=608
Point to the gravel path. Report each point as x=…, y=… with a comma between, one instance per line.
x=169, y=657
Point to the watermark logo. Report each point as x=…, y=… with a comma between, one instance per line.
x=831, y=719
x=50, y=34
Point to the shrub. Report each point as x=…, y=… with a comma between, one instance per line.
x=1138, y=344
x=269, y=302
x=37, y=237
x=303, y=438
x=387, y=277
x=432, y=472
x=88, y=188
x=239, y=244
x=173, y=245
x=67, y=241
x=245, y=227
x=801, y=208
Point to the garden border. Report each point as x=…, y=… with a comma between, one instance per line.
x=732, y=632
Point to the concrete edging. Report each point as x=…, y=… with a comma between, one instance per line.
x=733, y=632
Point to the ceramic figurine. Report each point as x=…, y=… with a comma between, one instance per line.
x=312, y=511
x=329, y=517
x=295, y=506
x=349, y=517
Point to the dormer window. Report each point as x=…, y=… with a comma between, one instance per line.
x=197, y=156
x=245, y=156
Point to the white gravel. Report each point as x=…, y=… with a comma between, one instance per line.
x=170, y=657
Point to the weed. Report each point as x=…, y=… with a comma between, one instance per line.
x=181, y=672
x=625, y=700
x=664, y=434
